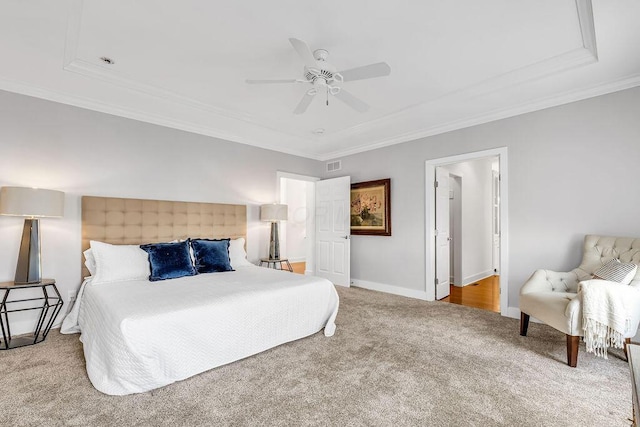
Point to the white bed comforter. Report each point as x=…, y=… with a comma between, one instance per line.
x=140, y=335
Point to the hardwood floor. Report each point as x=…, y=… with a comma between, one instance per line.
x=484, y=294
x=298, y=267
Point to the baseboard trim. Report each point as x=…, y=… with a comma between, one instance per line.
x=477, y=277
x=513, y=312
x=389, y=289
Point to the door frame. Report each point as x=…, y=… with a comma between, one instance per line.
x=430, y=249
x=310, y=264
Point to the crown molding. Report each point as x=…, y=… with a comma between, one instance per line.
x=536, y=105
x=143, y=116
x=581, y=56
x=586, y=54
x=498, y=114
x=74, y=64
x=73, y=31
x=587, y=26
x=99, y=72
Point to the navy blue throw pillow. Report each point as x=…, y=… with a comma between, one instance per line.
x=169, y=260
x=211, y=256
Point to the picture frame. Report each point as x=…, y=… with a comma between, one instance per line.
x=370, y=208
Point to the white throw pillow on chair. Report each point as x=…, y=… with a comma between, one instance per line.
x=616, y=271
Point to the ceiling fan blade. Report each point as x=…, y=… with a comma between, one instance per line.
x=353, y=102
x=261, y=82
x=305, y=53
x=305, y=101
x=379, y=69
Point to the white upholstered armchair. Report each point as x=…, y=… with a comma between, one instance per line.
x=552, y=297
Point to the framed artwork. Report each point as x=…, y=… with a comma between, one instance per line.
x=371, y=208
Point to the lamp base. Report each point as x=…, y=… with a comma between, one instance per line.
x=274, y=242
x=29, y=268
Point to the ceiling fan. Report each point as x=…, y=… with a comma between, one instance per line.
x=324, y=77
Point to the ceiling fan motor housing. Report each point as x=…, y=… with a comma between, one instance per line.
x=324, y=71
x=323, y=74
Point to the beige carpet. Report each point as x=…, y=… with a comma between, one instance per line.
x=392, y=361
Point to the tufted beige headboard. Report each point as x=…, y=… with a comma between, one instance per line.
x=137, y=221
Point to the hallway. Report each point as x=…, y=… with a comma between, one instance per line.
x=484, y=294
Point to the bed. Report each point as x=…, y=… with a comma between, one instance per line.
x=139, y=335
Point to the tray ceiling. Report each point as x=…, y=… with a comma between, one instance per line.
x=184, y=64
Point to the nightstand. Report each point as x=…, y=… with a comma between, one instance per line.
x=273, y=263
x=49, y=304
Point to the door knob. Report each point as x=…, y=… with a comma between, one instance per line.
x=346, y=237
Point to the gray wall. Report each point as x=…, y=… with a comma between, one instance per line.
x=573, y=170
x=81, y=152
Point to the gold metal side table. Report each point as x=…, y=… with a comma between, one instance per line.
x=49, y=304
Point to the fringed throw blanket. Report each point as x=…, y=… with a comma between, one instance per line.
x=605, y=317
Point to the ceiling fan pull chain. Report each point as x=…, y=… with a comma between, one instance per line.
x=327, y=95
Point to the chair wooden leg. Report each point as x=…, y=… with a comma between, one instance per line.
x=573, y=341
x=524, y=323
x=627, y=341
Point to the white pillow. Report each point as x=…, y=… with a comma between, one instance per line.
x=616, y=271
x=115, y=263
x=90, y=261
x=237, y=255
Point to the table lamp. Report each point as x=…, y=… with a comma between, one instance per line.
x=31, y=203
x=274, y=213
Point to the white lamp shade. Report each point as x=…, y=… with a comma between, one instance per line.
x=31, y=202
x=273, y=212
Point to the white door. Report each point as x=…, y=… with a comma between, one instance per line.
x=442, y=233
x=333, y=230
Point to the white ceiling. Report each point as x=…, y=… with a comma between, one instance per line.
x=183, y=64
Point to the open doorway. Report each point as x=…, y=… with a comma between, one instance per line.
x=298, y=233
x=474, y=282
x=455, y=228
x=466, y=223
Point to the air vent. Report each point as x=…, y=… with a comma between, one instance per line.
x=334, y=166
